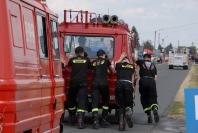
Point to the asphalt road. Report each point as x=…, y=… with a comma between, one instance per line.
x=168, y=83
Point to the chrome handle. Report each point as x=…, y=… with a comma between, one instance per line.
x=44, y=76
x=57, y=76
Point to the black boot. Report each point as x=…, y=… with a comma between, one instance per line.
x=81, y=124
x=121, y=121
x=150, y=119
x=72, y=118
x=104, y=122
x=95, y=120
x=129, y=117
x=156, y=116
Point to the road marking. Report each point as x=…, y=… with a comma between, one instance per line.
x=196, y=107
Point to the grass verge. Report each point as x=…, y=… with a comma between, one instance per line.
x=177, y=109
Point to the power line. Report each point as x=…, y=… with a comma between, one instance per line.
x=180, y=26
x=171, y=27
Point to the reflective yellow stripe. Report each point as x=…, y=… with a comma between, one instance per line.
x=127, y=66
x=154, y=105
x=94, y=110
x=80, y=110
x=79, y=61
x=94, y=64
x=127, y=108
x=102, y=62
x=105, y=107
x=147, y=109
x=72, y=108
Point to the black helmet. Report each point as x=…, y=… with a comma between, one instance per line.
x=147, y=56
x=100, y=52
x=79, y=50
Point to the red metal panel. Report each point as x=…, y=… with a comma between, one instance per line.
x=14, y=11
x=23, y=101
x=6, y=64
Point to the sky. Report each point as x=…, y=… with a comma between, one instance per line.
x=175, y=21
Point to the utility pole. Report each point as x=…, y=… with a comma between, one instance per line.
x=159, y=39
x=155, y=39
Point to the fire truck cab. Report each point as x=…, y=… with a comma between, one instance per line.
x=31, y=83
x=94, y=32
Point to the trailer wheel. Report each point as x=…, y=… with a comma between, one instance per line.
x=170, y=66
x=185, y=67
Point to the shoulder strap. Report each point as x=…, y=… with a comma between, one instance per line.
x=151, y=70
x=144, y=66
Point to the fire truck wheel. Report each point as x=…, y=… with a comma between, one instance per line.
x=61, y=123
x=117, y=115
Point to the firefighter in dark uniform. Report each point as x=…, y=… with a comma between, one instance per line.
x=125, y=91
x=100, y=87
x=147, y=87
x=78, y=91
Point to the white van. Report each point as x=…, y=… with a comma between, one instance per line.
x=178, y=60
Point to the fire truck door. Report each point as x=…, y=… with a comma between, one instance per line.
x=57, y=73
x=43, y=46
x=47, y=70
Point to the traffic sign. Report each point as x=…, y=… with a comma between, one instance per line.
x=191, y=105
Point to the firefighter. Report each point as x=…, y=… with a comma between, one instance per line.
x=78, y=91
x=100, y=87
x=147, y=87
x=125, y=91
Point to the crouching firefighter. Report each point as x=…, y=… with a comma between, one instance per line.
x=100, y=87
x=78, y=91
x=147, y=87
x=124, y=91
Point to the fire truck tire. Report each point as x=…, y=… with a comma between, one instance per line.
x=61, y=123
x=116, y=115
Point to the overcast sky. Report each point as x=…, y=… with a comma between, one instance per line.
x=176, y=19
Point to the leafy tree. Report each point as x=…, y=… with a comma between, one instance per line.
x=192, y=50
x=136, y=35
x=148, y=45
x=181, y=49
x=169, y=48
x=160, y=47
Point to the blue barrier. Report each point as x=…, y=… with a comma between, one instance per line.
x=191, y=105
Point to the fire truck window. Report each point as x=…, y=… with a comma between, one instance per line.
x=66, y=44
x=54, y=30
x=91, y=44
x=42, y=36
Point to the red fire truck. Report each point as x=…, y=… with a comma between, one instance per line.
x=31, y=83
x=94, y=32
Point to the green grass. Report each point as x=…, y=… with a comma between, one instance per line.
x=177, y=109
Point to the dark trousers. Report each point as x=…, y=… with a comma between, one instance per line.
x=77, y=96
x=124, y=94
x=100, y=88
x=148, y=92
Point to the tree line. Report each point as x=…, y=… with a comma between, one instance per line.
x=149, y=45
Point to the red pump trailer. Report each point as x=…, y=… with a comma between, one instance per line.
x=31, y=83
x=99, y=33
